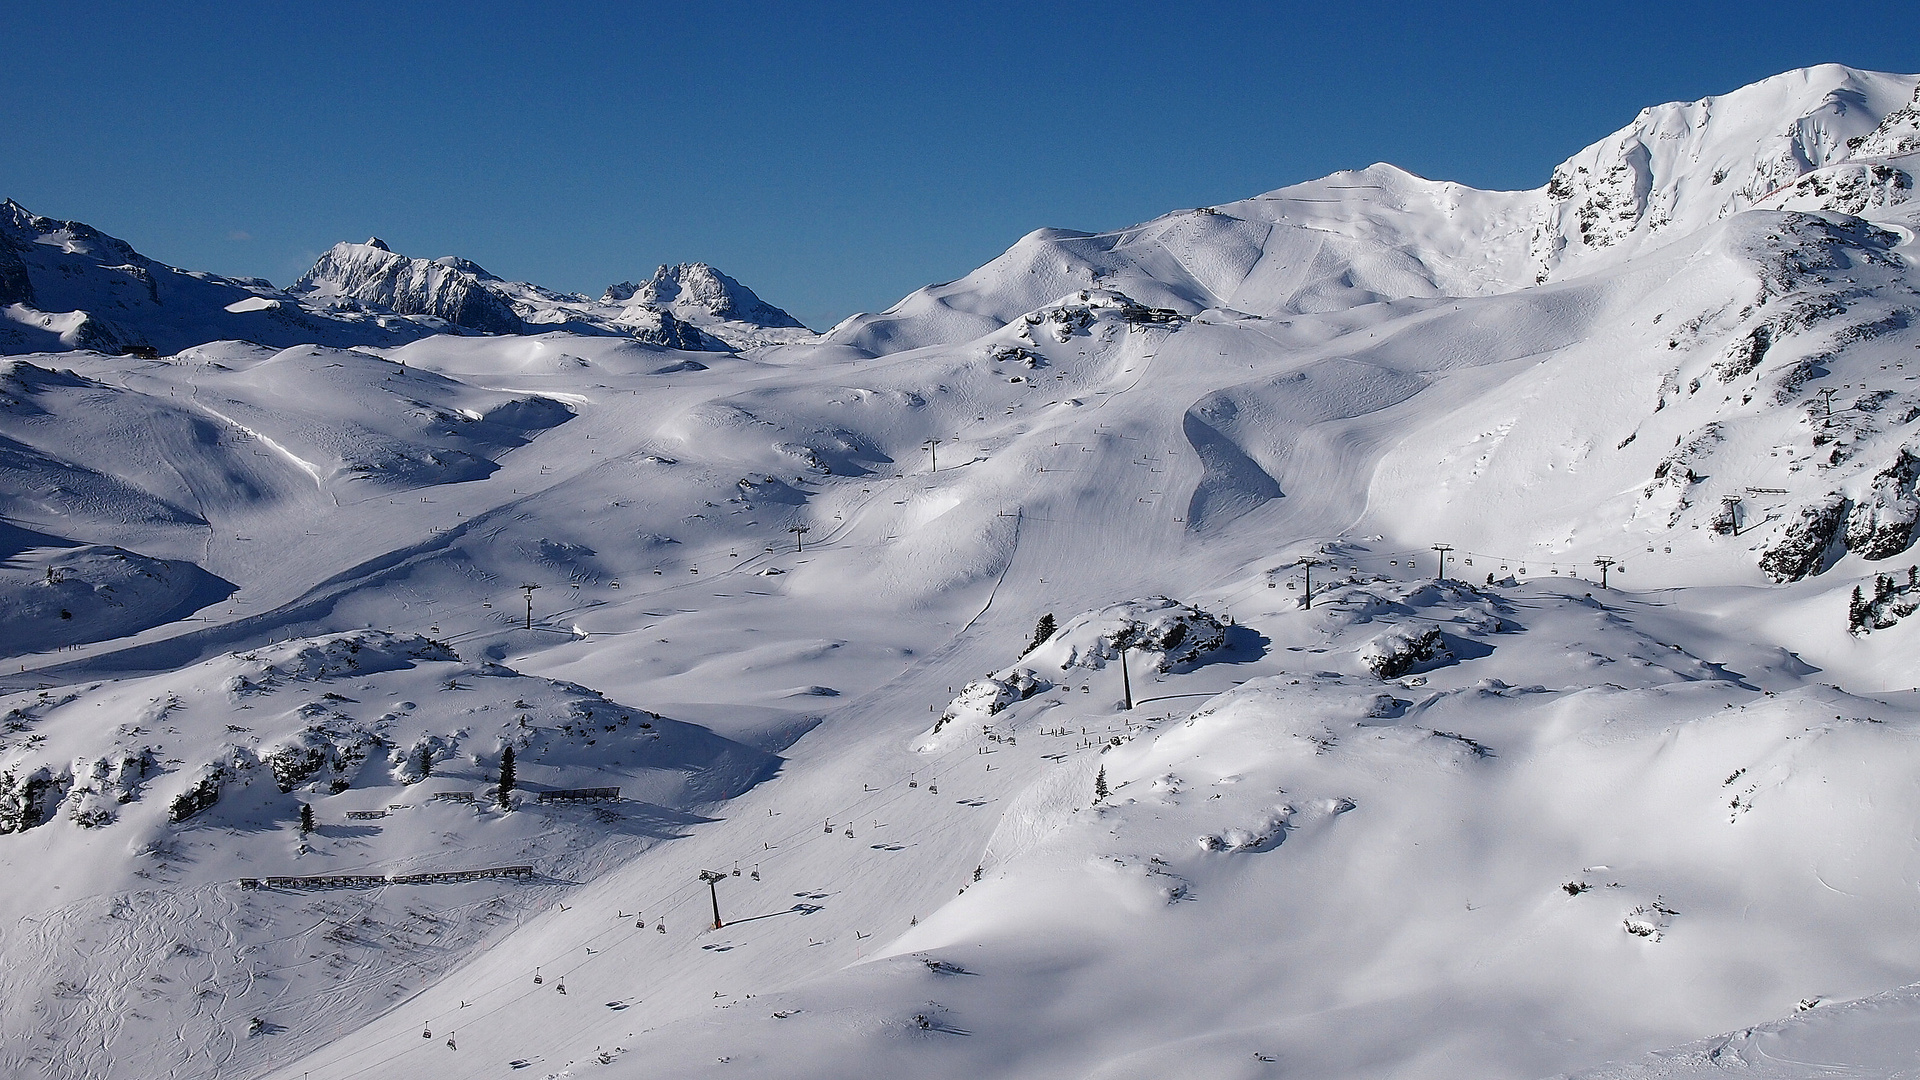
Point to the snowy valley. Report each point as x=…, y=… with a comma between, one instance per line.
x=1053, y=675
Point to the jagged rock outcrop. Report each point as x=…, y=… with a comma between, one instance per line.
x=1897, y=135
x=1880, y=525
x=1807, y=546
x=451, y=289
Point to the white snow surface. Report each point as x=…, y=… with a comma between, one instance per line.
x=1362, y=818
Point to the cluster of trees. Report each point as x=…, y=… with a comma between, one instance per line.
x=1885, y=608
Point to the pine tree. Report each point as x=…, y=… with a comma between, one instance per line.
x=1856, y=612
x=306, y=819
x=426, y=762
x=506, y=776
x=1042, y=630
x=1100, y=791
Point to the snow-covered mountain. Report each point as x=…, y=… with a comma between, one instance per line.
x=690, y=306
x=1053, y=675
x=700, y=296
x=1381, y=233
x=65, y=285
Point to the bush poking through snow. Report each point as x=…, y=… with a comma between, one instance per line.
x=990, y=695
x=1402, y=649
x=1649, y=921
x=23, y=802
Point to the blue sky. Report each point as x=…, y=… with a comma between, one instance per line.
x=833, y=157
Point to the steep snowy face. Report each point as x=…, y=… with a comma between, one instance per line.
x=1684, y=165
x=454, y=290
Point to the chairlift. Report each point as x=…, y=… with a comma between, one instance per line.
x=755, y=875
x=933, y=789
x=426, y=1033
x=537, y=980
x=660, y=926
x=849, y=830
x=561, y=986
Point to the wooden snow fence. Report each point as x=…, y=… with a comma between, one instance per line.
x=364, y=881
x=585, y=794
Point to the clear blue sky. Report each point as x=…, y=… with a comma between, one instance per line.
x=833, y=157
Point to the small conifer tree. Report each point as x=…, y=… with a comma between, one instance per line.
x=1100, y=791
x=426, y=762
x=1856, y=612
x=306, y=819
x=506, y=776
x=1042, y=630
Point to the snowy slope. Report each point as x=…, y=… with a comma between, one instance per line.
x=1505, y=823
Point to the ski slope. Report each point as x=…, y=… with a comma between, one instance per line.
x=1501, y=822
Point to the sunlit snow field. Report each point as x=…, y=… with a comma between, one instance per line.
x=1506, y=822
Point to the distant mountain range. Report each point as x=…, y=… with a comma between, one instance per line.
x=66, y=285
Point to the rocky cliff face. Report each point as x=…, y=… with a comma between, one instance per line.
x=453, y=290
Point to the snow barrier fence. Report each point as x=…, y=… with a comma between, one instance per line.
x=362, y=881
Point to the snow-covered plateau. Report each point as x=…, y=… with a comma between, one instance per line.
x=413, y=674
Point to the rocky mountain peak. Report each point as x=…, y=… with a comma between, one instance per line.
x=695, y=290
